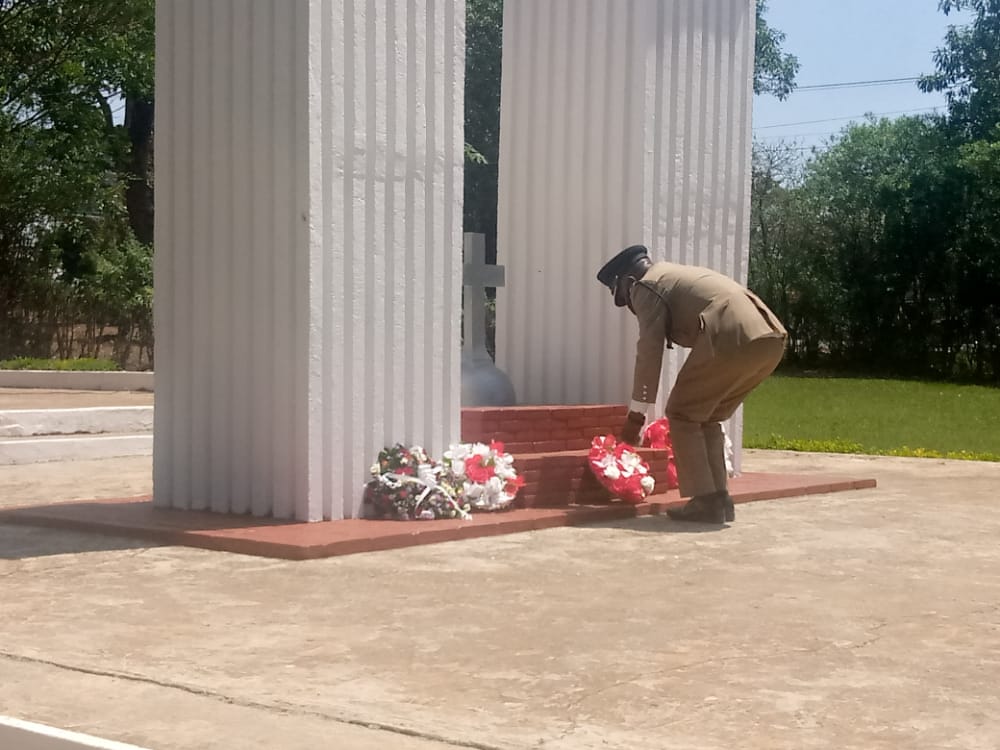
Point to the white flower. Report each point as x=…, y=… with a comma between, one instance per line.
x=648, y=483
x=505, y=471
x=375, y=469
x=458, y=467
x=630, y=462
x=607, y=460
x=494, y=485
x=456, y=451
x=612, y=472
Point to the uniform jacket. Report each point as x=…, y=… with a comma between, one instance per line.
x=688, y=305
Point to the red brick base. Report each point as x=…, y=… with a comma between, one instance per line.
x=136, y=517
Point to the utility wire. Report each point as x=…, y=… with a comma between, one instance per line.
x=798, y=135
x=847, y=117
x=858, y=84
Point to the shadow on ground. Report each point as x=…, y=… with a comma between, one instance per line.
x=659, y=524
x=24, y=542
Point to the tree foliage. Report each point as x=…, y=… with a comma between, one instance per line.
x=484, y=42
x=968, y=67
x=774, y=69
x=883, y=251
x=65, y=168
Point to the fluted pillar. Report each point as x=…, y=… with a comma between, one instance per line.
x=622, y=122
x=308, y=246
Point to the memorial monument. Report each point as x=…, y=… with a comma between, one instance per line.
x=309, y=221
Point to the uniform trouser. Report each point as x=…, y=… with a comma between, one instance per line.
x=709, y=388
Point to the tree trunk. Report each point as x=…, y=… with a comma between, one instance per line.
x=139, y=193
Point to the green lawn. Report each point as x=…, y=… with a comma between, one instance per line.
x=881, y=417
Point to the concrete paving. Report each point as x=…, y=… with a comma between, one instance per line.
x=40, y=425
x=863, y=619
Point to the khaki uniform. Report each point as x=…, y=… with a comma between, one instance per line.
x=735, y=342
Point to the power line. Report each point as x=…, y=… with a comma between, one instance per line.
x=847, y=117
x=799, y=135
x=858, y=84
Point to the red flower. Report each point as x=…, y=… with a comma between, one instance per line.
x=408, y=471
x=477, y=471
x=658, y=435
x=497, y=447
x=513, y=485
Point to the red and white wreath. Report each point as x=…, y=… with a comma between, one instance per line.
x=483, y=475
x=620, y=469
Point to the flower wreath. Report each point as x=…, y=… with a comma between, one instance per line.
x=482, y=475
x=620, y=469
x=406, y=487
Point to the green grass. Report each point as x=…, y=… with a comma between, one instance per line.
x=35, y=363
x=876, y=417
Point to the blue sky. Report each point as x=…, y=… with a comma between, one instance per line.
x=851, y=40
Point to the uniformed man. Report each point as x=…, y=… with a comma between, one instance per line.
x=735, y=342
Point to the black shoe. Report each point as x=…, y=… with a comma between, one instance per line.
x=702, y=509
x=730, y=508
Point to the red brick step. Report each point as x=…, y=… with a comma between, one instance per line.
x=542, y=429
x=550, y=445
x=557, y=479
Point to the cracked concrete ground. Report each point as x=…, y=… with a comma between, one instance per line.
x=865, y=620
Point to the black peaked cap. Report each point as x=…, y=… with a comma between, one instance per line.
x=621, y=263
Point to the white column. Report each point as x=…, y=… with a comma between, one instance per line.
x=308, y=246
x=622, y=122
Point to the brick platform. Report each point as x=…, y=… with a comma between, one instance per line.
x=136, y=517
x=549, y=445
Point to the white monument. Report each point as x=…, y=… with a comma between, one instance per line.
x=622, y=122
x=483, y=383
x=308, y=224
x=309, y=158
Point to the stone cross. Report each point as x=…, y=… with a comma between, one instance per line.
x=477, y=276
x=483, y=384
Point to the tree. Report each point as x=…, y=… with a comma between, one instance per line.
x=484, y=42
x=886, y=194
x=968, y=67
x=883, y=254
x=774, y=70
x=968, y=71
x=978, y=243
x=777, y=231
x=64, y=163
